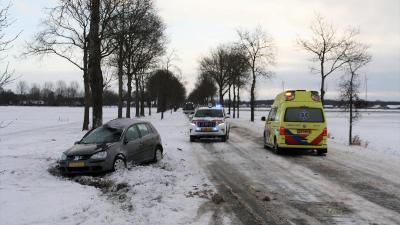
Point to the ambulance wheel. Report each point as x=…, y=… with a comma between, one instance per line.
x=265, y=141
x=276, y=148
x=322, y=152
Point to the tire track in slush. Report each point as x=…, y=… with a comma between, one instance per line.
x=359, y=182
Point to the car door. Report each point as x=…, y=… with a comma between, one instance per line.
x=147, y=138
x=132, y=144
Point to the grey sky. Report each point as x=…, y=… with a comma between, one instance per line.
x=196, y=26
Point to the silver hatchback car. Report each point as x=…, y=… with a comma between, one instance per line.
x=111, y=146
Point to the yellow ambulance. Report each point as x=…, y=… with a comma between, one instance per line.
x=296, y=121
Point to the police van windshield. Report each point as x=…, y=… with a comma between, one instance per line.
x=209, y=113
x=304, y=115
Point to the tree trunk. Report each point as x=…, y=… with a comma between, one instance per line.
x=86, y=89
x=136, y=96
x=120, y=74
x=96, y=76
x=238, y=101
x=149, y=105
x=229, y=100
x=351, y=110
x=221, y=97
x=141, y=97
x=234, y=101
x=252, y=97
x=129, y=96
x=322, y=82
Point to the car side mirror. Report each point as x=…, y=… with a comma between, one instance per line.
x=263, y=118
x=76, y=142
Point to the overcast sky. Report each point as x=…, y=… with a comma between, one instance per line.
x=196, y=26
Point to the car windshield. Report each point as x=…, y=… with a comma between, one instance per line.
x=102, y=134
x=304, y=115
x=209, y=113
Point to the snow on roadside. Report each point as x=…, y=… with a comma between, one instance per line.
x=149, y=194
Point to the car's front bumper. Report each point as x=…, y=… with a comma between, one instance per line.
x=86, y=167
x=217, y=131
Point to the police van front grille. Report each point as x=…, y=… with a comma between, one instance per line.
x=206, y=124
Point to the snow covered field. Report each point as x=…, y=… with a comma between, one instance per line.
x=163, y=193
x=178, y=189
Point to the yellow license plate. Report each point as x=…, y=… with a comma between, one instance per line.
x=77, y=164
x=303, y=131
x=206, y=129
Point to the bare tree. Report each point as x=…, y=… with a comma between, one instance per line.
x=22, y=87
x=6, y=76
x=260, y=51
x=327, y=48
x=215, y=67
x=356, y=56
x=65, y=33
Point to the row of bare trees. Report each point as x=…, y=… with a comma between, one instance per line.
x=127, y=36
x=233, y=66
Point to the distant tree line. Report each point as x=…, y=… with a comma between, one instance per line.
x=123, y=36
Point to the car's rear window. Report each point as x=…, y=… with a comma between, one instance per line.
x=209, y=113
x=304, y=115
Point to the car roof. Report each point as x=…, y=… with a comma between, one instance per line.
x=122, y=123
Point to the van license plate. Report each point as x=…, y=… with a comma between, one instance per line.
x=302, y=131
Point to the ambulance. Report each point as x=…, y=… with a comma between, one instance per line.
x=296, y=121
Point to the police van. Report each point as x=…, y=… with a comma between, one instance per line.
x=296, y=121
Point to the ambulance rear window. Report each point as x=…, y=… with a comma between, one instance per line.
x=304, y=115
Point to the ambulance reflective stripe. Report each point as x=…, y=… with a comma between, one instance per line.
x=294, y=139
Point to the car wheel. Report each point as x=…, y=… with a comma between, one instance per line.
x=119, y=164
x=158, y=155
x=192, y=138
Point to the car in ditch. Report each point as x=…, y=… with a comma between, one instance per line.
x=209, y=122
x=296, y=121
x=111, y=146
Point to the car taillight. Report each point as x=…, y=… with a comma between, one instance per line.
x=282, y=131
x=325, y=132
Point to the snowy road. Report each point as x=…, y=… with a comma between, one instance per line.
x=263, y=188
x=351, y=185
